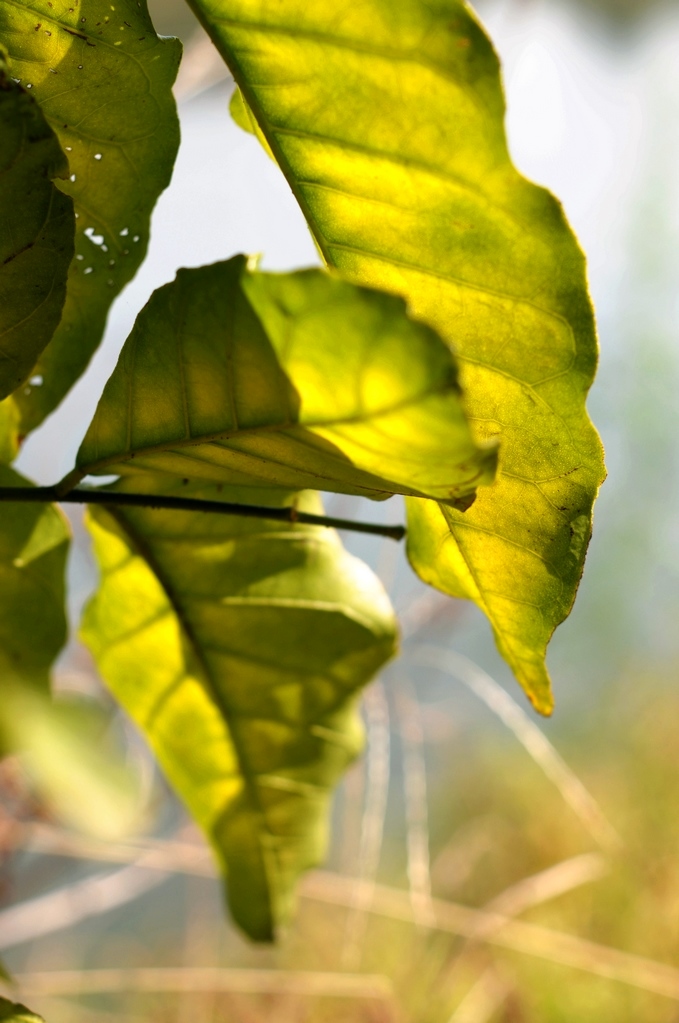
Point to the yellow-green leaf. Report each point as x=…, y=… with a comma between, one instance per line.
x=103, y=79
x=14, y=1012
x=36, y=233
x=297, y=380
x=239, y=647
x=387, y=120
x=33, y=546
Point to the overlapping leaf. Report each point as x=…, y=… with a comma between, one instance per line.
x=33, y=545
x=239, y=647
x=103, y=79
x=36, y=234
x=387, y=120
x=297, y=380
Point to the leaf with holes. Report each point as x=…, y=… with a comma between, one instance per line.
x=294, y=380
x=387, y=120
x=103, y=79
x=36, y=234
x=239, y=647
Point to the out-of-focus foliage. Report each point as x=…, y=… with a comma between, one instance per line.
x=33, y=545
x=13, y=1012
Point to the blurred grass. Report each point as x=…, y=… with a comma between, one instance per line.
x=496, y=821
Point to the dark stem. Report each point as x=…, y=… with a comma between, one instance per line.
x=80, y=495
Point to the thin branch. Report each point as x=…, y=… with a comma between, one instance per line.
x=81, y=495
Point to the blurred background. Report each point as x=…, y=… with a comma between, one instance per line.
x=485, y=865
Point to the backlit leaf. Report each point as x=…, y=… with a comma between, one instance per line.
x=239, y=647
x=297, y=380
x=33, y=545
x=387, y=120
x=103, y=79
x=36, y=234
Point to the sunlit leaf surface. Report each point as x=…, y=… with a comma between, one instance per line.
x=103, y=80
x=239, y=647
x=387, y=120
x=36, y=234
x=298, y=380
x=33, y=545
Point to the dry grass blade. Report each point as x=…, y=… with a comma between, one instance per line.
x=529, y=735
x=483, y=1000
x=415, y=796
x=517, y=936
x=372, y=827
x=72, y=903
x=201, y=979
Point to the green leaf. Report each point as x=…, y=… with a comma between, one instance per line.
x=36, y=233
x=34, y=542
x=239, y=647
x=103, y=79
x=240, y=378
x=13, y=1012
x=9, y=432
x=387, y=120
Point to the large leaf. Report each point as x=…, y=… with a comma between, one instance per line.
x=103, y=79
x=387, y=120
x=297, y=380
x=33, y=545
x=239, y=647
x=36, y=233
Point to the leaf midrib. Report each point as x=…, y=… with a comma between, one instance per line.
x=226, y=435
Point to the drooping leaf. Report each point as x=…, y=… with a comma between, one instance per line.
x=296, y=380
x=14, y=1012
x=103, y=79
x=387, y=120
x=33, y=546
x=36, y=233
x=239, y=647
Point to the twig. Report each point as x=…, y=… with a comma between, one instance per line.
x=81, y=495
x=534, y=741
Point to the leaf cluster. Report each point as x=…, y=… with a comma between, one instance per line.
x=443, y=353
